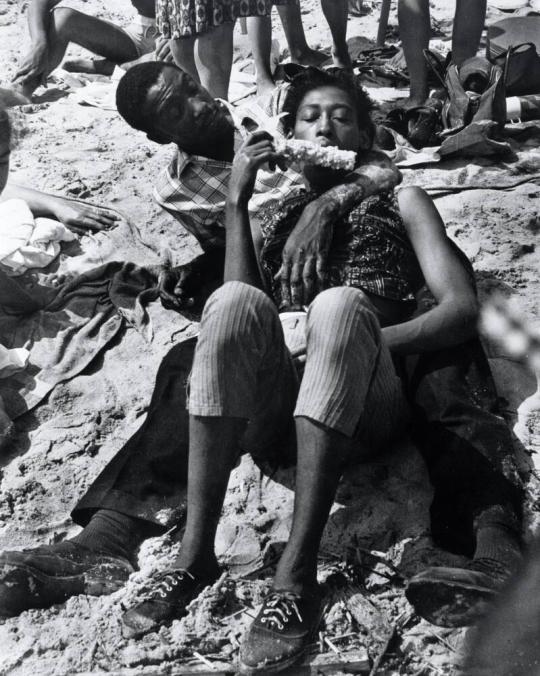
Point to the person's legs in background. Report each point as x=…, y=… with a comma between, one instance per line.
x=207, y=57
x=69, y=25
x=183, y=52
x=414, y=30
x=213, y=58
x=260, y=34
x=467, y=31
x=336, y=14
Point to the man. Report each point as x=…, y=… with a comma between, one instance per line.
x=170, y=107
x=51, y=31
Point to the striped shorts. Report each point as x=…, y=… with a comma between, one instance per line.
x=247, y=357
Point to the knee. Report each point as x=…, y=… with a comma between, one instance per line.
x=234, y=296
x=339, y=302
x=340, y=314
x=234, y=311
x=63, y=19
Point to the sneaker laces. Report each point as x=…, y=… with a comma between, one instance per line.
x=166, y=582
x=279, y=608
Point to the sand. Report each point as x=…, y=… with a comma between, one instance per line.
x=380, y=523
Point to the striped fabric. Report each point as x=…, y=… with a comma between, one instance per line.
x=244, y=369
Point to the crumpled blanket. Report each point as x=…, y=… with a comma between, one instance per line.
x=26, y=242
x=79, y=321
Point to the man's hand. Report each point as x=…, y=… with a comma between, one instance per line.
x=256, y=150
x=81, y=218
x=163, y=50
x=303, y=268
x=180, y=286
x=34, y=64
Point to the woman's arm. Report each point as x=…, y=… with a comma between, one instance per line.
x=240, y=258
x=454, y=319
x=74, y=214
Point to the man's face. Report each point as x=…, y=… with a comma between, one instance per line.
x=184, y=113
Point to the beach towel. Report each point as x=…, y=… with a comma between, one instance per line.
x=72, y=329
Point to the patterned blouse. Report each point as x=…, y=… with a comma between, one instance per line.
x=370, y=248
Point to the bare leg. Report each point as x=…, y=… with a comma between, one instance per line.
x=99, y=37
x=260, y=34
x=335, y=13
x=213, y=448
x=468, y=26
x=213, y=57
x=300, y=51
x=414, y=27
x=322, y=454
x=183, y=51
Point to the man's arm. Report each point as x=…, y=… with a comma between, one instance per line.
x=453, y=320
x=304, y=257
x=35, y=62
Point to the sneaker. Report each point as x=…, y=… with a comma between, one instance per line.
x=170, y=592
x=456, y=597
x=281, y=632
x=43, y=576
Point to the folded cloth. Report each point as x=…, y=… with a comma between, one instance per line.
x=26, y=242
x=72, y=329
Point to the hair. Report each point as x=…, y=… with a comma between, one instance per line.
x=133, y=90
x=313, y=78
x=5, y=127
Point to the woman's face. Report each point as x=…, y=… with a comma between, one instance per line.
x=327, y=116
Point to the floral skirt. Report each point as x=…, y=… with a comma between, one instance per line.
x=184, y=18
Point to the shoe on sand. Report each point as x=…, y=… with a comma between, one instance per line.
x=43, y=576
x=456, y=597
x=170, y=592
x=281, y=633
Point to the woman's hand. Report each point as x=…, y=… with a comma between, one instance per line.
x=82, y=217
x=34, y=64
x=256, y=150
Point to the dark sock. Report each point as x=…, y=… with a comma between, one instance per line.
x=499, y=543
x=113, y=533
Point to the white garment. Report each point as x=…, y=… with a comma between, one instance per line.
x=26, y=242
x=12, y=360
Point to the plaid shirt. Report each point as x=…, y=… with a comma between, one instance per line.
x=193, y=189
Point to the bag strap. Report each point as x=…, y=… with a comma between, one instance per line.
x=435, y=66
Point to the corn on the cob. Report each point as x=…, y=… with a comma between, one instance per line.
x=305, y=152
